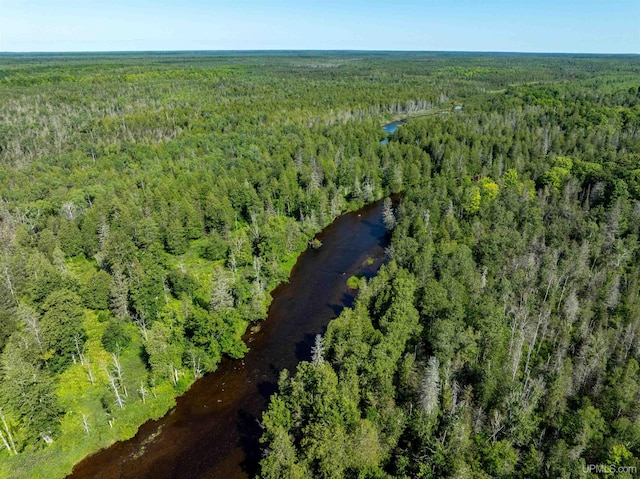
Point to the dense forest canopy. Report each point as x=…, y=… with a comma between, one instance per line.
x=150, y=202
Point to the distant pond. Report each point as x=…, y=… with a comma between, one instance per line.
x=391, y=128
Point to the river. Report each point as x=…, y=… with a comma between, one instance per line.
x=213, y=430
x=391, y=128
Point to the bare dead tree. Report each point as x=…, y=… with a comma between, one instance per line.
x=317, y=351
x=87, y=365
x=388, y=216
x=430, y=386
x=119, y=294
x=143, y=391
x=220, y=298
x=31, y=322
x=76, y=340
x=254, y=227
x=117, y=371
x=116, y=391
x=141, y=322
x=8, y=440
x=195, y=363
x=496, y=425
x=85, y=424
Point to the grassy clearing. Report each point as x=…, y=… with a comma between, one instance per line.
x=95, y=404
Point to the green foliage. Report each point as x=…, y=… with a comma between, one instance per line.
x=558, y=174
x=315, y=243
x=63, y=333
x=116, y=336
x=500, y=459
x=69, y=237
x=147, y=288
x=7, y=327
x=28, y=393
x=175, y=237
x=214, y=248
x=95, y=291
x=181, y=282
x=489, y=188
x=119, y=250
x=493, y=350
x=164, y=349
x=354, y=282
x=472, y=198
x=132, y=207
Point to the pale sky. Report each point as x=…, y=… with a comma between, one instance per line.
x=580, y=26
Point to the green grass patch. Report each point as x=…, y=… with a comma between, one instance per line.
x=354, y=282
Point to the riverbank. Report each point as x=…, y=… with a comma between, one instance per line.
x=456, y=106
x=213, y=430
x=59, y=458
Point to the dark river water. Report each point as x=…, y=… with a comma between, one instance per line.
x=213, y=431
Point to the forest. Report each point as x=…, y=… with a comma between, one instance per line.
x=502, y=338
x=150, y=202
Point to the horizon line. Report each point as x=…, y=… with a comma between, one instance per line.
x=294, y=50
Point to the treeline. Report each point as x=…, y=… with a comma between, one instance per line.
x=502, y=339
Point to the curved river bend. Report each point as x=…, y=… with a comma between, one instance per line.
x=213, y=431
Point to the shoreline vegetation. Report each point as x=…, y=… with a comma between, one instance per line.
x=150, y=203
x=157, y=402
x=251, y=328
x=409, y=115
x=501, y=339
x=354, y=282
